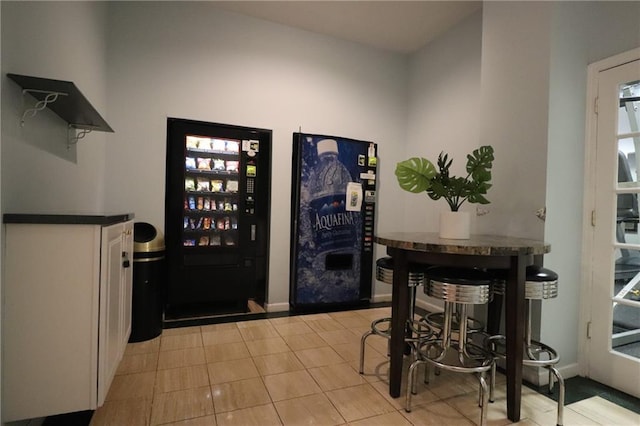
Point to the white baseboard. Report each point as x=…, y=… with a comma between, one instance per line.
x=276, y=307
x=540, y=376
x=380, y=298
x=426, y=305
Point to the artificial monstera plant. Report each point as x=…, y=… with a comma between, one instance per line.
x=420, y=175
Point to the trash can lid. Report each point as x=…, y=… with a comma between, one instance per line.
x=147, y=238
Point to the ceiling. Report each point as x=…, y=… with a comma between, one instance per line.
x=399, y=26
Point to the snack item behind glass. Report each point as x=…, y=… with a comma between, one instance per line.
x=203, y=185
x=200, y=203
x=218, y=164
x=214, y=240
x=220, y=205
x=232, y=166
x=190, y=163
x=204, y=240
x=192, y=142
x=205, y=144
x=185, y=225
x=220, y=224
x=232, y=185
x=206, y=224
x=218, y=145
x=232, y=146
x=189, y=242
x=189, y=184
x=207, y=203
x=217, y=185
x=192, y=202
x=229, y=240
x=204, y=163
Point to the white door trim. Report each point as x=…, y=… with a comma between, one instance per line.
x=593, y=71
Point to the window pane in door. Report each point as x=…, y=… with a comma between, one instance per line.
x=625, y=337
x=627, y=218
x=629, y=113
x=627, y=164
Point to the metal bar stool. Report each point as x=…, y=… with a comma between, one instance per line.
x=435, y=320
x=541, y=284
x=458, y=288
x=417, y=329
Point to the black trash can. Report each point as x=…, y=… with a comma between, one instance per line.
x=148, y=282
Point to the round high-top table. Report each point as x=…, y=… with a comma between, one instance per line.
x=481, y=251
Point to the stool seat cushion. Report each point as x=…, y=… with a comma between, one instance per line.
x=387, y=263
x=538, y=273
x=462, y=276
x=534, y=273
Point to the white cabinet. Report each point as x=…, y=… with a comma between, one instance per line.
x=66, y=314
x=115, y=301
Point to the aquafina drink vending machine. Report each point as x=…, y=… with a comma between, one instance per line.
x=333, y=212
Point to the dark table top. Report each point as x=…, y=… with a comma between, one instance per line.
x=479, y=245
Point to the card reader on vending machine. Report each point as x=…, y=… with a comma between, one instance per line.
x=252, y=170
x=251, y=148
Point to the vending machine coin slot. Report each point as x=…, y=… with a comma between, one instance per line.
x=250, y=205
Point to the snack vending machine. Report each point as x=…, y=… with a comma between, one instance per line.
x=332, y=228
x=216, y=217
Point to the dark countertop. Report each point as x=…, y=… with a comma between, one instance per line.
x=67, y=219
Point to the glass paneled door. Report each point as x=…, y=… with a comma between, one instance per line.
x=614, y=346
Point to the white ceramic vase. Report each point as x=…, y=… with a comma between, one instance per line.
x=455, y=225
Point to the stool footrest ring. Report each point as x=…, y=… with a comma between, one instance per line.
x=534, y=354
x=472, y=360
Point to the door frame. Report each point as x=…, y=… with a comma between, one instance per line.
x=593, y=71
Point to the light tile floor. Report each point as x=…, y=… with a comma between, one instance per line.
x=302, y=370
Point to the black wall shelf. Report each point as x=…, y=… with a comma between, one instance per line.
x=63, y=98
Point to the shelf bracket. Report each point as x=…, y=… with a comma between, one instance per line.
x=40, y=105
x=76, y=133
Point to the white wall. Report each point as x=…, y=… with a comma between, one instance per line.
x=64, y=41
x=534, y=62
x=563, y=225
x=444, y=104
x=513, y=112
x=38, y=174
x=192, y=60
x=598, y=30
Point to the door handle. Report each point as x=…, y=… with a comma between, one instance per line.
x=125, y=260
